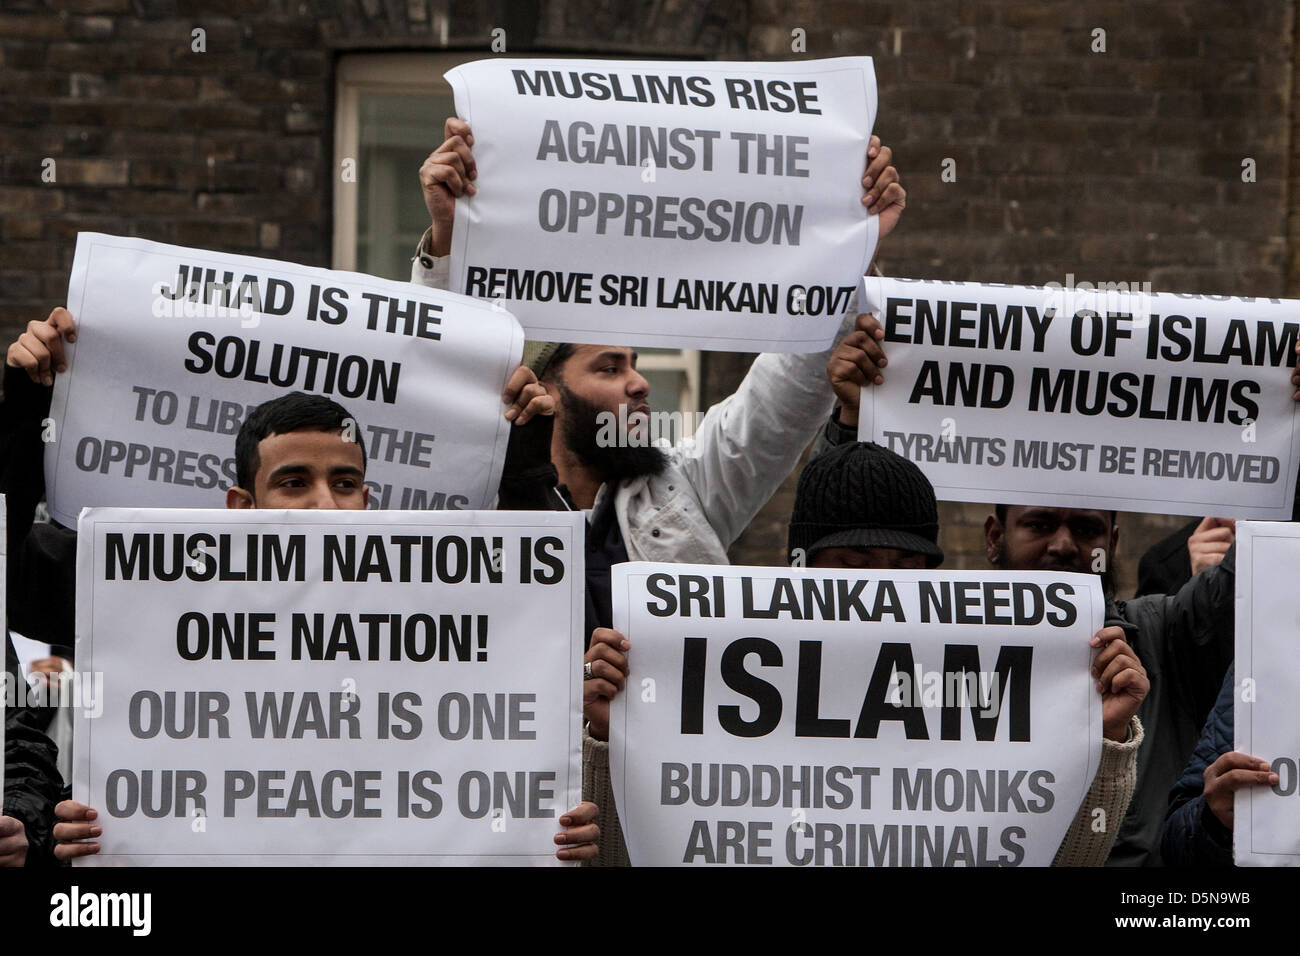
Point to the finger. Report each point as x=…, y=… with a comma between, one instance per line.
x=875, y=197
x=893, y=195
x=605, y=671
x=877, y=166
x=847, y=370
x=1131, y=679
x=575, y=836
x=868, y=323
x=607, y=635
x=446, y=176
x=1121, y=663
x=455, y=126
x=458, y=147
x=603, y=652
x=38, y=369
x=454, y=154
x=1109, y=653
x=77, y=831
x=1235, y=760
x=543, y=404
x=597, y=688
x=873, y=353
x=62, y=322
x=1237, y=779
x=10, y=826
x=579, y=854
x=1106, y=635
x=873, y=146
x=53, y=343
x=585, y=812
x=70, y=851
x=521, y=376
x=527, y=395
x=72, y=811
x=1206, y=524
x=1224, y=535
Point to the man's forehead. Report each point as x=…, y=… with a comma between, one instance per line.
x=1031, y=512
x=310, y=442
x=590, y=353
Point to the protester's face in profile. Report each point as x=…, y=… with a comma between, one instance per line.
x=590, y=387
x=605, y=376
x=874, y=559
x=306, y=469
x=1052, y=539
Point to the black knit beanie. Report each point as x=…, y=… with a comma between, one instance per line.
x=860, y=495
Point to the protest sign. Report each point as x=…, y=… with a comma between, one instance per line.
x=1085, y=398
x=889, y=718
x=174, y=346
x=700, y=205
x=1266, y=826
x=298, y=687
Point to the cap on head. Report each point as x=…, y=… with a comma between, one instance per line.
x=861, y=495
x=539, y=355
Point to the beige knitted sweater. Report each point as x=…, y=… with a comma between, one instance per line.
x=1086, y=843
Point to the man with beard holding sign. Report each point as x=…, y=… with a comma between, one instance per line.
x=645, y=504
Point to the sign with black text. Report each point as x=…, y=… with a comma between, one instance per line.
x=1266, y=825
x=306, y=687
x=687, y=205
x=175, y=346
x=795, y=717
x=1078, y=397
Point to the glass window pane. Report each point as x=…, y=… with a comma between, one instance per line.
x=397, y=132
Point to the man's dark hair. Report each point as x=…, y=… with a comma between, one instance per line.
x=289, y=413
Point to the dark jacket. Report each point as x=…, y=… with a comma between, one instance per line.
x=1185, y=642
x=1167, y=566
x=42, y=567
x=32, y=781
x=1193, y=835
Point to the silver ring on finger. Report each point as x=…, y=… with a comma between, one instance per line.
x=586, y=671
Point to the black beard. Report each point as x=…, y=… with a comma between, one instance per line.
x=614, y=463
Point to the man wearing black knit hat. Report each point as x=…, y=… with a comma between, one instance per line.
x=859, y=506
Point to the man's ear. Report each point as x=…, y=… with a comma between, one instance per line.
x=993, y=532
x=1114, y=539
x=365, y=495
x=239, y=498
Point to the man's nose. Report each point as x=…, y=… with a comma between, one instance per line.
x=638, y=387
x=322, y=498
x=1062, y=542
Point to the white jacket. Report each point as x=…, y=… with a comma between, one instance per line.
x=743, y=449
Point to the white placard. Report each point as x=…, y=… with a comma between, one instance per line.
x=767, y=719
x=157, y=387
x=1123, y=400
x=686, y=205
x=1266, y=826
x=330, y=687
